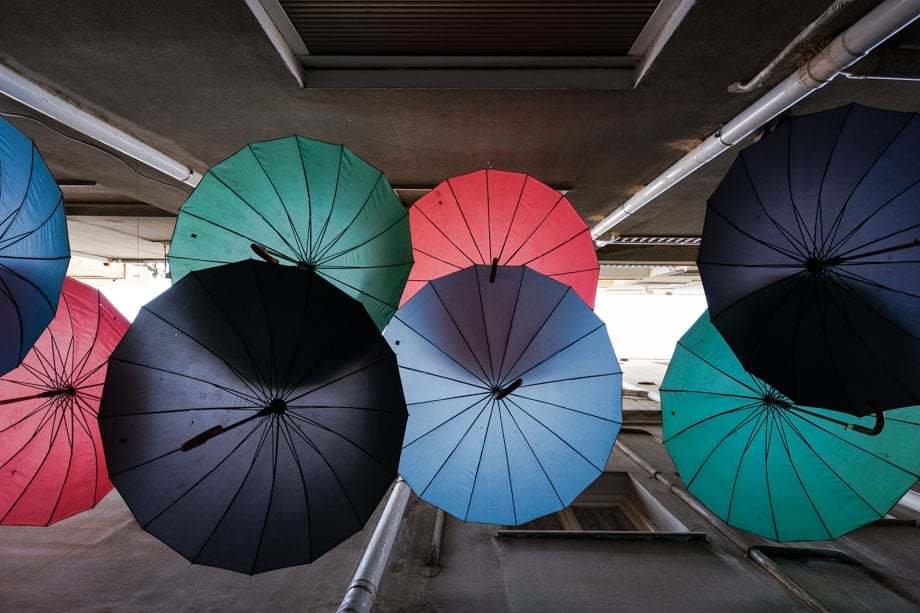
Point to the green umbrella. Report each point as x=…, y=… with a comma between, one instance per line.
x=300, y=202
x=765, y=465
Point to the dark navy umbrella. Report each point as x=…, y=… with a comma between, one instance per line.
x=514, y=393
x=811, y=259
x=252, y=417
x=34, y=252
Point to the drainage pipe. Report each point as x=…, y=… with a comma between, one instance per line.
x=48, y=103
x=437, y=534
x=359, y=598
x=736, y=539
x=855, y=42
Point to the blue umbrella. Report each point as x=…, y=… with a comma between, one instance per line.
x=34, y=252
x=514, y=394
x=811, y=259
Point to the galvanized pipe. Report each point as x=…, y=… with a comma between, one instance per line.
x=359, y=598
x=875, y=27
x=437, y=534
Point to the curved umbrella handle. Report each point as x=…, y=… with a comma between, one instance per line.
x=874, y=430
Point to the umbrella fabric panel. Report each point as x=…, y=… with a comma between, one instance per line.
x=218, y=349
x=311, y=204
x=34, y=251
x=776, y=469
x=508, y=217
x=51, y=460
x=809, y=258
x=483, y=455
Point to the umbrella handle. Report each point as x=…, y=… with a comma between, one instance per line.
x=201, y=439
x=873, y=431
x=494, y=270
x=263, y=253
x=504, y=392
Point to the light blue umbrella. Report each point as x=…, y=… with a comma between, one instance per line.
x=514, y=394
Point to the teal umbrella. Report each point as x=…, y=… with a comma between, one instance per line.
x=304, y=203
x=773, y=468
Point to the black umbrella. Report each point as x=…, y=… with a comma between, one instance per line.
x=252, y=417
x=811, y=259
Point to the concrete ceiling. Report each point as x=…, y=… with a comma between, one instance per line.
x=200, y=79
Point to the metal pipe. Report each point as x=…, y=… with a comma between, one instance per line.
x=51, y=104
x=875, y=27
x=279, y=41
x=911, y=500
x=829, y=13
x=359, y=598
x=661, y=38
x=732, y=535
x=434, y=549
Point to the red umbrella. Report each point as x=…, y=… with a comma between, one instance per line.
x=51, y=460
x=498, y=217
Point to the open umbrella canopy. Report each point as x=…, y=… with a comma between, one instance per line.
x=252, y=417
x=780, y=470
x=305, y=203
x=811, y=259
x=34, y=251
x=514, y=394
x=504, y=217
x=51, y=460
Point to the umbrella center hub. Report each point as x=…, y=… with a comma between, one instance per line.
x=276, y=407
x=816, y=265
x=309, y=266
x=772, y=401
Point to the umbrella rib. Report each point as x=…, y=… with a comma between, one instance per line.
x=734, y=430
x=751, y=294
x=559, y=406
x=84, y=360
x=308, y=286
x=799, y=248
x=341, y=333
x=339, y=379
x=289, y=441
x=230, y=391
x=209, y=350
x=316, y=424
x=536, y=228
x=416, y=207
x=37, y=386
x=236, y=494
x=57, y=430
x=761, y=420
x=457, y=327
x=216, y=225
x=15, y=213
x=84, y=424
x=513, y=217
x=841, y=242
x=21, y=237
x=252, y=359
x=329, y=258
x=819, y=218
x=517, y=299
x=743, y=407
x=768, y=438
x=60, y=495
x=832, y=235
x=846, y=258
x=306, y=182
x=303, y=436
x=330, y=406
x=449, y=419
x=553, y=432
x=799, y=219
x=203, y=477
x=485, y=437
x=837, y=301
x=273, y=363
x=41, y=407
x=501, y=424
x=333, y=278
x=537, y=332
x=534, y=454
x=465, y=222
x=15, y=304
x=450, y=455
x=271, y=493
x=596, y=376
x=299, y=251
x=571, y=272
x=791, y=289
x=369, y=267
x=256, y=211
x=431, y=374
x=830, y=468
x=792, y=256
x=560, y=245
x=409, y=404
x=798, y=476
x=489, y=215
x=902, y=421
x=338, y=237
x=425, y=253
x=435, y=345
x=861, y=279
x=832, y=354
x=173, y=256
x=110, y=415
x=554, y=353
x=485, y=328
x=708, y=392
x=335, y=195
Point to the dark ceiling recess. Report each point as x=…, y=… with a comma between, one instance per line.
x=469, y=27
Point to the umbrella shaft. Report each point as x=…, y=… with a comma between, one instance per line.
x=47, y=394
